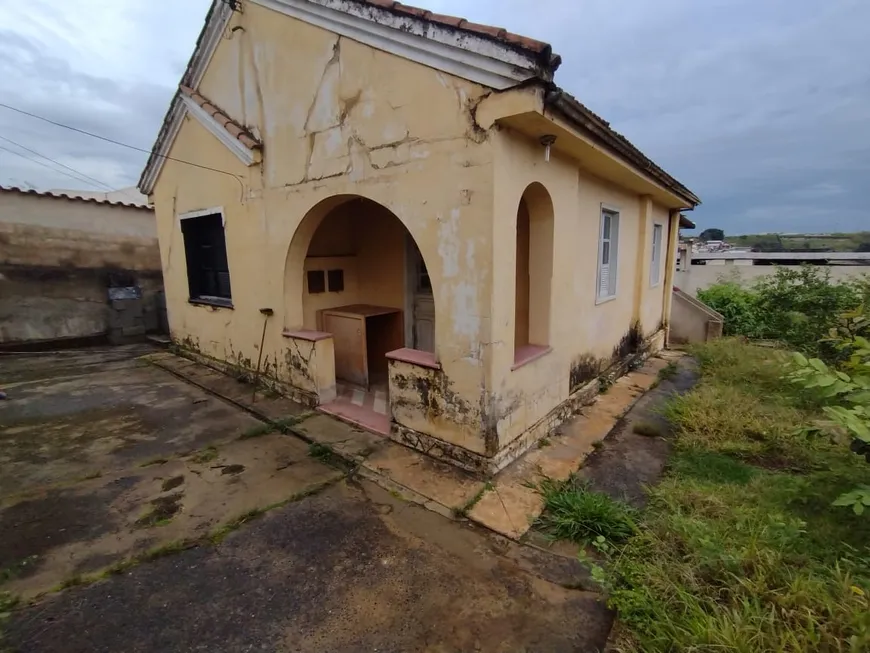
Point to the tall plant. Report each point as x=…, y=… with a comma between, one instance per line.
x=844, y=391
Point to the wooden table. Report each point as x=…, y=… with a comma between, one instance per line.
x=362, y=335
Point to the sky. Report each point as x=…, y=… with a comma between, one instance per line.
x=761, y=107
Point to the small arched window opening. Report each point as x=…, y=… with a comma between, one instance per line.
x=534, y=274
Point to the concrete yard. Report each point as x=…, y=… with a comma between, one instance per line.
x=140, y=513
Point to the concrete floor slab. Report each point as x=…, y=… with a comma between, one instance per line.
x=104, y=457
x=509, y=508
x=78, y=413
x=268, y=405
x=347, y=441
x=351, y=569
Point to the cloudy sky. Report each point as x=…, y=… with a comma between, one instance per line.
x=762, y=107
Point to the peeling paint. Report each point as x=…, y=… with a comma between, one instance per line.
x=448, y=244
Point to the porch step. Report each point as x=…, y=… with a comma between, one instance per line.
x=431, y=483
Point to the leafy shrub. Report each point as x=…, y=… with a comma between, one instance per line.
x=796, y=307
x=844, y=394
x=737, y=305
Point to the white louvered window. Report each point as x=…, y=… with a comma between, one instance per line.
x=655, y=271
x=608, y=254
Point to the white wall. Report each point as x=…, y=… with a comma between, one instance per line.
x=698, y=277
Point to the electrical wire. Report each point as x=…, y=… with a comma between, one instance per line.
x=80, y=174
x=38, y=162
x=114, y=142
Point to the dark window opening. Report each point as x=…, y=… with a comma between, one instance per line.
x=335, y=278
x=316, y=282
x=205, y=248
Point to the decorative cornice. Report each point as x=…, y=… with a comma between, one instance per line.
x=233, y=144
x=451, y=50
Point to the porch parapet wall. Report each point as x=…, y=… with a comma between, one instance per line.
x=310, y=358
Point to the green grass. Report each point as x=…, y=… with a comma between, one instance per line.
x=285, y=424
x=462, y=511
x=574, y=512
x=257, y=431
x=16, y=569
x=328, y=456
x=8, y=602
x=740, y=549
x=669, y=371
x=206, y=455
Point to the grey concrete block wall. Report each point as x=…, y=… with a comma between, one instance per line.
x=45, y=304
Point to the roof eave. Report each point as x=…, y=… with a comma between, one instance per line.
x=600, y=130
x=216, y=22
x=685, y=223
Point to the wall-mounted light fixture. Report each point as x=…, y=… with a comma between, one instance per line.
x=547, y=141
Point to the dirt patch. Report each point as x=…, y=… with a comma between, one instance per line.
x=58, y=517
x=776, y=461
x=627, y=462
x=64, y=424
x=172, y=483
x=162, y=510
x=232, y=470
x=96, y=562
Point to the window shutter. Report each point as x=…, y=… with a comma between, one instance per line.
x=614, y=254
x=604, y=280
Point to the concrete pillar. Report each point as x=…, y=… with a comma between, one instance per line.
x=670, y=266
x=642, y=262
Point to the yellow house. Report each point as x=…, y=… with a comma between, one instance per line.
x=402, y=220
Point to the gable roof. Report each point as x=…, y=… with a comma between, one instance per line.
x=489, y=55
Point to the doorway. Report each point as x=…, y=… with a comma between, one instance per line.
x=420, y=331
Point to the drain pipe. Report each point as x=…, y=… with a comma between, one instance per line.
x=267, y=313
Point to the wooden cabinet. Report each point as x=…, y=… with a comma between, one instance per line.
x=362, y=335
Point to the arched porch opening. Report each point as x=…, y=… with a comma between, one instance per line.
x=355, y=273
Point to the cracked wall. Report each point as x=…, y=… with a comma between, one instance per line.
x=58, y=258
x=336, y=118
x=587, y=336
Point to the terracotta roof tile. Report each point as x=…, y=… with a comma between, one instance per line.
x=414, y=11
x=490, y=31
x=451, y=21
x=240, y=132
x=74, y=198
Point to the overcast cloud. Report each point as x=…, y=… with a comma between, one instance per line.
x=762, y=107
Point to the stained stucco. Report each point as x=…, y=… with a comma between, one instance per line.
x=340, y=121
